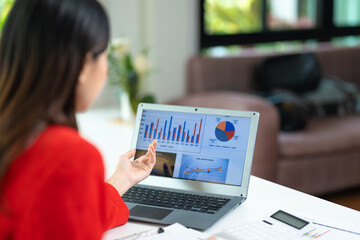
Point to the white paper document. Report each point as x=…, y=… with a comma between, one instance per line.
x=331, y=229
x=175, y=231
x=329, y=233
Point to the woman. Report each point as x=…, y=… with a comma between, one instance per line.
x=52, y=65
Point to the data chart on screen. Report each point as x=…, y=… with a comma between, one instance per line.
x=173, y=131
x=194, y=146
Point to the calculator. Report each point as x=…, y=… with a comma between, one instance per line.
x=279, y=226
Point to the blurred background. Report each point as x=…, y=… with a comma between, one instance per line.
x=173, y=31
x=184, y=49
x=176, y=30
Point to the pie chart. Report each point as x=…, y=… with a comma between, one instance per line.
x=225, y=131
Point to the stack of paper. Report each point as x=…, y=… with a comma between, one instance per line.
x=174, y=232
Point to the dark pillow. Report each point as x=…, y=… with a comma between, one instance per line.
x=299, y=73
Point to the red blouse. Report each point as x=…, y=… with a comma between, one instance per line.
x=56, y=190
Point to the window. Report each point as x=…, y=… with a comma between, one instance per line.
x=347, y=13
x=291, y=14
x=232, y=16
x=243, y=22
x=5, y=7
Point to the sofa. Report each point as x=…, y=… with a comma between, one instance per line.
x=320, y=159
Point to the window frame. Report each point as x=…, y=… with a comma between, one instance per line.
x=325, y=31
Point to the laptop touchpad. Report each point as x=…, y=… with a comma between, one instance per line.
x=149, y=212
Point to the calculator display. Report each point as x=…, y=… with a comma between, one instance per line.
x=289, y=219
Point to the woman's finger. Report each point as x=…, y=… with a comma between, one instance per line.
x=152, y=146
x=151, y=150
x=152, y=159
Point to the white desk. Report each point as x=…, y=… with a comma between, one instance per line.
x=264, y=197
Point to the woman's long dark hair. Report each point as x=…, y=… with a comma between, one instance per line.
x=43, y=47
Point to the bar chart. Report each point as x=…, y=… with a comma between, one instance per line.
x=178, y=133
x=172, y=129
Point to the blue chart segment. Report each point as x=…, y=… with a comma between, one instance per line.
x=225, y=131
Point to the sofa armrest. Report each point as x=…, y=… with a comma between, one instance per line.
x=266, y=154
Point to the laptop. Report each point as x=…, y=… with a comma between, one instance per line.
x=203, y=166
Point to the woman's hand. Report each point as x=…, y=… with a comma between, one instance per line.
x=128, y=173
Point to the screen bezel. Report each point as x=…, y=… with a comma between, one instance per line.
x=201, y=186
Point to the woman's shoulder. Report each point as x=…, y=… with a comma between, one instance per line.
x=62, y=142
x=63, y=137
x=58, y=162
x=58, y=152
x=59, y=133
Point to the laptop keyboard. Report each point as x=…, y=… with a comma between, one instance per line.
x=175, y=200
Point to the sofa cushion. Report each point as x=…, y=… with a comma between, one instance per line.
x=322, y=135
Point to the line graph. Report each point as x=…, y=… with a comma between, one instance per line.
x=205, y=170
x=209, y=169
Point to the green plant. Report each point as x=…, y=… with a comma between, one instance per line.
x=5, y=7
x=128, y=73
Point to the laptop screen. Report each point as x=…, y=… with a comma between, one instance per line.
x=194, y=146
